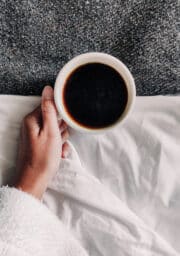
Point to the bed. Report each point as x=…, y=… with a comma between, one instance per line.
x=118, y=192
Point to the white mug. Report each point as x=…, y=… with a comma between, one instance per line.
x=93, y=57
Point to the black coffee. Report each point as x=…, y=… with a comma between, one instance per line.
x=95, y=95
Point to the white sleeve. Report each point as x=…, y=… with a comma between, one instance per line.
x=27, y=228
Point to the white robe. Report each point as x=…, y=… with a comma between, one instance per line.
x=28, y=228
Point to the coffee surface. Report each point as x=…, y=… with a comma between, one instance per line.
x=95, y=95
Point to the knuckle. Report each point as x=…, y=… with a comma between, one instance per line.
x=53, y=135
x=28, y=122
x=27, y=119
x=47, y=106
x=66, y=145
x=67, y=134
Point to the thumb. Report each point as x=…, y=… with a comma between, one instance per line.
x=49, y=113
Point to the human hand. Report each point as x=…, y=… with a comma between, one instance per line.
x=42, y=143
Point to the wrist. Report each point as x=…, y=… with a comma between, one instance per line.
x=34, y=185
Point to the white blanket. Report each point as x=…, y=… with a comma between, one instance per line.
x=119, y=192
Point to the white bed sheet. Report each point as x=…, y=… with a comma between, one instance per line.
x=119, y=192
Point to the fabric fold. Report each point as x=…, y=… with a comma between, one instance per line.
x=118, y=193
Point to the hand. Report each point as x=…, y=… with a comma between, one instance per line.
x=42, y=143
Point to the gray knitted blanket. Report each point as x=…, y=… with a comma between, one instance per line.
x=38, y=36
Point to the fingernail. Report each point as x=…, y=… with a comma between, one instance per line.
x=48, y=93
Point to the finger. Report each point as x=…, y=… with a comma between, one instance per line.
x=62, y=125
x=49, y=112
x=65, y=150
x=65, y=135
x=33, y=120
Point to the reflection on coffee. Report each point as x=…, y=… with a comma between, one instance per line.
x=95, y=95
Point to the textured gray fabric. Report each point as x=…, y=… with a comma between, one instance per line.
x=38, y=36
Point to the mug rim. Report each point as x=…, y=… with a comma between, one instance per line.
x=83, y=59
